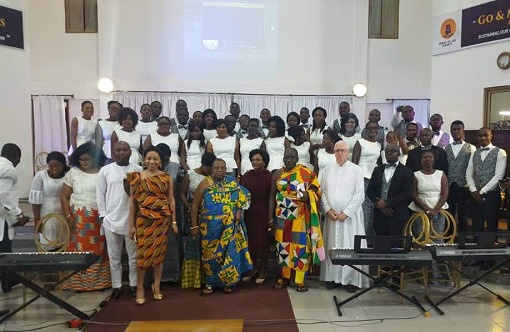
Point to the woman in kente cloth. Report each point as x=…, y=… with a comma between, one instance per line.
x=219, y=201
x=295, y=192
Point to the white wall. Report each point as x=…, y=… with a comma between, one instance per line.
x=61, y=63
x=15, y=105
x=458, y=78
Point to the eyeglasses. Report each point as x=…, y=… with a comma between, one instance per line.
x=84, y=160
x=341, y=150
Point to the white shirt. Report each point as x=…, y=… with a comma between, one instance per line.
x=457, y=147
x=112, y=199
x=8, y=196
x=499, y=172
x=389, y=172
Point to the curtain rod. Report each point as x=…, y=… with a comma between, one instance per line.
x=72, y=96
x=392, y=99
x=240, y=93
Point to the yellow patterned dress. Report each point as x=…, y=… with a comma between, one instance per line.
x=152, y=217
x=225, y=255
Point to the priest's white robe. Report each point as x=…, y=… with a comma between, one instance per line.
x=343, y=191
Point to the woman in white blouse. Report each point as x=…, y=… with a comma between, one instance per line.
x=276, y=143
x=251, y=142
x=315, y=133
x=45, y=197
x=326, y=155
x=83, y=128
x=302, y=146
x=224, y=146
x=194, y=147
x=348, y=132
x=209, y=120
x=105, y=127
x=365, y=154
x=146, y=125
x=79, y=204
x=128, y=119
x=163, y=135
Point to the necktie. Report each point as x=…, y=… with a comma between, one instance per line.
x=456, y=142
x=485, y=149
x=436, y=133
x=426, y=147
x=390, y=165
x=182, y=127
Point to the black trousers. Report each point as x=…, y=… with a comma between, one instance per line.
x=457, y=203
x=487, y=210
x=6, y=246
x=388, y=226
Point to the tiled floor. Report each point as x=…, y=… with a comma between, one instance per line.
x=475, y=310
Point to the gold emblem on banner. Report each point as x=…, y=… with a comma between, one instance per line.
x=448, y=28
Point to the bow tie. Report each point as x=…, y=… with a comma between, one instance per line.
x=305, y=125
x=436, y=133
x=182, y=127
x=485, y=149
x=390, y=165
x=244, y=132
x=265, y=127
x=456, y=142
x=426, y=147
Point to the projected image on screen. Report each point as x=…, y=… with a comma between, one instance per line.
x=244, y=30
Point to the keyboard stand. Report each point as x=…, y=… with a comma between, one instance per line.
x=473, y=282
x=46, y=294
x=378, y=282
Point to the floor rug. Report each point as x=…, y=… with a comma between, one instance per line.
x=262, y=308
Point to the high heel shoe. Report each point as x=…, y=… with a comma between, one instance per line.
x=156, y=296
x=260, y=281
x=249, y=277
x=140, y=300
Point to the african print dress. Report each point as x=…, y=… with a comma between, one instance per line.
x=298, y=236
x=225, y=256
x=152, y=217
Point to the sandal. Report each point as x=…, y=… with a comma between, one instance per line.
x=206, y=291
x=229, y=289
x=281, y=283
x=301, y=288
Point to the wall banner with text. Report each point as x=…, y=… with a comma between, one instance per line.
x=11, y=27
x=488, y=22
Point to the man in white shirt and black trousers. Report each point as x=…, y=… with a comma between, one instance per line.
x=113, y=205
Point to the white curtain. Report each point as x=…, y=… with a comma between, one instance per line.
x=49, y=124
x=421, y=109
x=279, y=105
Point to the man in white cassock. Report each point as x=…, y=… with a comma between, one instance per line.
x=342, y=198
x=113, y=205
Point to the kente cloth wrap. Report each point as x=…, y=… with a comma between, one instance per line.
x=152, y=217
x=298, y=236
x=225, y=256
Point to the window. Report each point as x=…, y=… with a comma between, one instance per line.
x=81, y=15
x=383, y=19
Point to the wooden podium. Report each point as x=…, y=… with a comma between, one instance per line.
x=210, y=325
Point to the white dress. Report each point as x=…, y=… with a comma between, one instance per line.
x=303, y=154
x=245, y=147
x=351, y=141
x=108, y=127
x=210, y=133
x=172, y=141
x=133, y=138
x=46, y=192
x=224, y=148
x=429, y=189
x=146, y=128
x=194, y=181
x=370, y=152
x=194, y=154
x=86, y=132
x=343, y=191
x=316, y=135
x=275, y=147
x=324, y=159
